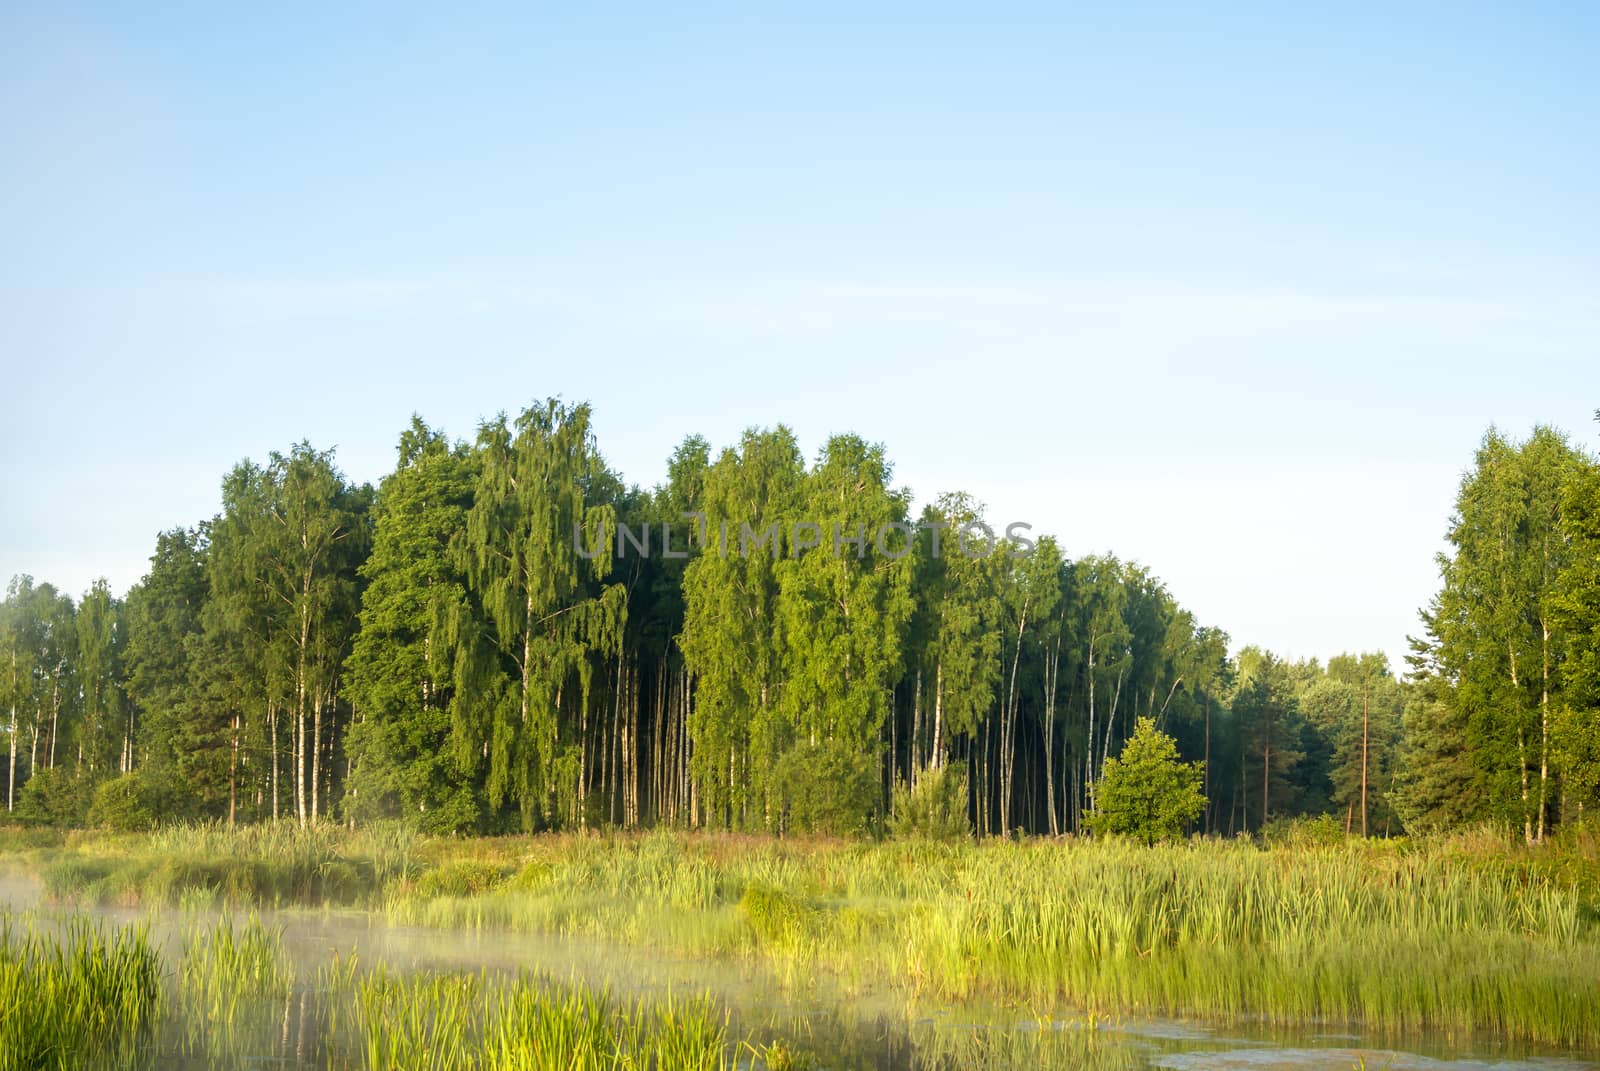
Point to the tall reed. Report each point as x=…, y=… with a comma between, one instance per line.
x=225, y=968
x=1394, y=941
x=71, y=998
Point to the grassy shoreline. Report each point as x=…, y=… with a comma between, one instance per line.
x=1450, y=936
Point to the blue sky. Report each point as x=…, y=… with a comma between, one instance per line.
x=1231, y=293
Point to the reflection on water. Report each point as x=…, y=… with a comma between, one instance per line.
x=828, y=1023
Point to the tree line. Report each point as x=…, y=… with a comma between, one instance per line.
x=446, y=649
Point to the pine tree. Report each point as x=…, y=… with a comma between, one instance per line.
x=405, y=759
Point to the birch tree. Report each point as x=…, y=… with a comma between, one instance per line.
x=542, y=602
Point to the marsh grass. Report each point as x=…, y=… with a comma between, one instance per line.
x=271, y=864
x=90, y=997
x=226, y=968
x=1395, y=941
x=457, y=1021
x=1466, y=934
x=430, y=1022
x=88, y=994
x=538, y=1026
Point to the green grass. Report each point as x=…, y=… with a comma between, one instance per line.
x=535, y=1028
x=267, y=865
x=86, y=994
x=89, y=997
x=1395, y=941
x=1470, y=934
x=456, y=1022
x=426, y=1022
x=226, y=968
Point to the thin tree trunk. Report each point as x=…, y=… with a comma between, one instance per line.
x=316, y=757
x=914, y=748
x=272, y=731
x=1206, y=769
x=233, y=768
x=1544, y=727
x=583, y=763
x=1266, y=779
x=55, y=714
x=1111, y=718
x=1365, y=716
x=1522, y=754
x=11, y=776
x=1008, y=723
x=300, y=698
x=1052, y=673
x=1088, y=751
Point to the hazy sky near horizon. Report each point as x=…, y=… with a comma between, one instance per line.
x=1235, y=294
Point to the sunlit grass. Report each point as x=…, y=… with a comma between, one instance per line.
x=1395, y=941
x=1466, y=935
x=227, y=967
x=87, y=993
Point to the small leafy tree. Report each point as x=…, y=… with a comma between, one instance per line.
x=827, y=788
x=936, y=808
x=58, y=797
x=1146, y=793
x=138, y=802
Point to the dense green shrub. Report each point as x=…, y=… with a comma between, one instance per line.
x=828, y=788
x=936, y=808
x=777, y=917
x=1321, y=831
x=463, y=877
x=57, y=797
x=132, y=803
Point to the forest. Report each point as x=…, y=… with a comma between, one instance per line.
x=441, y=649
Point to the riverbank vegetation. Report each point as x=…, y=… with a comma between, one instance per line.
x=452, y=649
x=65, y=998
x=82, y=996
x=1473, y=934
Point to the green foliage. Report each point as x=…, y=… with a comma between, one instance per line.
x=936, y=808
x=1577, y=612
x=828, y=788
x=730, y=639
x=65, y=1000
x=138, y=802
x=1492, y=634
x=466, y=654
x=1436, y=785
x=1321, y=831
x=1146, y=792
x=1268, y=726
x=59, y=797
x=841, y=613
x=164, y=627
x=411, y=762
x=535, y=605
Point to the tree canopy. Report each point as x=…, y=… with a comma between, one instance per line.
x=506, y=635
